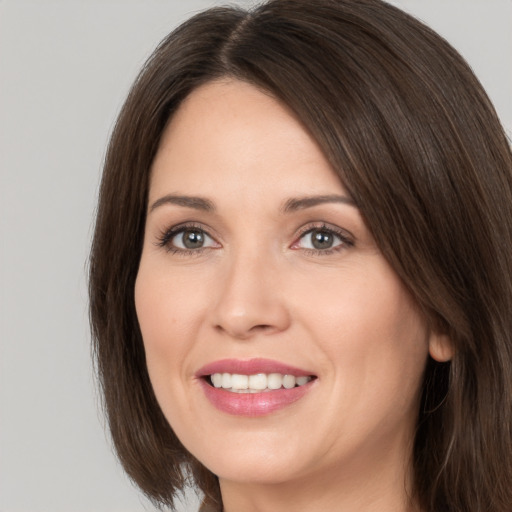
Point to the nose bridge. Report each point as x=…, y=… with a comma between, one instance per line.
x=249, y=300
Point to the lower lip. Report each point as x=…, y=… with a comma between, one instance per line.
x=253, y=404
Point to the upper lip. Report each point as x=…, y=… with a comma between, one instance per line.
x=251, y=367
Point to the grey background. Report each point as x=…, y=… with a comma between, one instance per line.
x=65, y=67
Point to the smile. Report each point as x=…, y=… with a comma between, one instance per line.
x=257, y=383
x=254, y=387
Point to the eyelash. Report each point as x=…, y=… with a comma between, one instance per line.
x=345, y=238
x=165, y=237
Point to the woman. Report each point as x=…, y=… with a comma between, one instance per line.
x=300, y=277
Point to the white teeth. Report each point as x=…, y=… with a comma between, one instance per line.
x=289, y=381
x=226, y=380
x=274, y=381
x=239, y=381
x=217, y=380
x=302, y=380
x=256, y=383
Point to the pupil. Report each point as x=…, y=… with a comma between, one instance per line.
x=193, y=239
x=322, y=240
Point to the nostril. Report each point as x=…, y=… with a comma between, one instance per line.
x=261, y=327
x=242, y=311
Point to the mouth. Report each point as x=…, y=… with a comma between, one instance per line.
x=254, y=387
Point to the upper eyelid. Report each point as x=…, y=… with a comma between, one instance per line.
x=183, y=226
x=319, y=225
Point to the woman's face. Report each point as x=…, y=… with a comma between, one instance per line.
x=257, y=264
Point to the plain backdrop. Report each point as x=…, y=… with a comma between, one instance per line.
x=65, y=68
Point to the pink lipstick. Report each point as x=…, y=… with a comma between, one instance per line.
x=253, y=387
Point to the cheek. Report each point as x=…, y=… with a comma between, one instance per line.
x=167, y=312
x=374, y=339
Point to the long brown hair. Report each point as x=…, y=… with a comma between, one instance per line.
x=417, y=143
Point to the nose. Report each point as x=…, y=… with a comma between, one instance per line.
x=251, y=300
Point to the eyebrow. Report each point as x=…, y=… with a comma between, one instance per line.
x=198, y=203
x=291, y=205
x=301, y=203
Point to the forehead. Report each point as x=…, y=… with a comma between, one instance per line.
x=231, y=133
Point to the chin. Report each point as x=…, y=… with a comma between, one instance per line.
x=267, y=457
x=259, y=469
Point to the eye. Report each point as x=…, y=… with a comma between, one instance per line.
x=322, y=239
x=186, y=239
x=191, y=238
x=319, y=239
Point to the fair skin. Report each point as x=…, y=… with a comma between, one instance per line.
x=241, y=277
